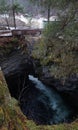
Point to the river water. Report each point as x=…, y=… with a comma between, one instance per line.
x=44, y=105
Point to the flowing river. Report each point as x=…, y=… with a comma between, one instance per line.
x=46, y=106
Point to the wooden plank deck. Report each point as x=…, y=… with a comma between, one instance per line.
x=20, y=32
x=32, y=32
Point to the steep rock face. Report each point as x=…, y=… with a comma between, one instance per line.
x=10, y=114
x=16, y=63
x=16, y=69
x=11, y=117
x=68, y=89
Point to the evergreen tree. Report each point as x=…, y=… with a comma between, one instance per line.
x=45, y=3
x=59, y=47
x=4, y=10
x=15, y=9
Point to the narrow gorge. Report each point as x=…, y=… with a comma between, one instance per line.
x=45, y=100
x=40, y=102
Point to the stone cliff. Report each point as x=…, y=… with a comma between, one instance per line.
x=11, y=117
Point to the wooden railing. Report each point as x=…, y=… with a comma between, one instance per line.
x=20, y=32
x=32, y=32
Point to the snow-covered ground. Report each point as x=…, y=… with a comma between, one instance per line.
x=6, y=34
x=37, y=22
x=32, y=22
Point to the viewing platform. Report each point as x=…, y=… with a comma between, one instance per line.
x=20, y=32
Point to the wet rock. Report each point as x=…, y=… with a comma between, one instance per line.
x=11, y=116
x=1, y=116
x=35, y=108
x=68, y=89
x=16, y=68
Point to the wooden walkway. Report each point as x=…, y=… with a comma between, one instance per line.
x=20, y=32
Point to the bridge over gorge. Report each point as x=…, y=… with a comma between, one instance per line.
x=20, y=32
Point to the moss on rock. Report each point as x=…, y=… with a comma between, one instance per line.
x=11, y=117
x=1, y=116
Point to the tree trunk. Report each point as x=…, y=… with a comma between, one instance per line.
x=14, y=18
x=14, y=21
x=48, y=13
